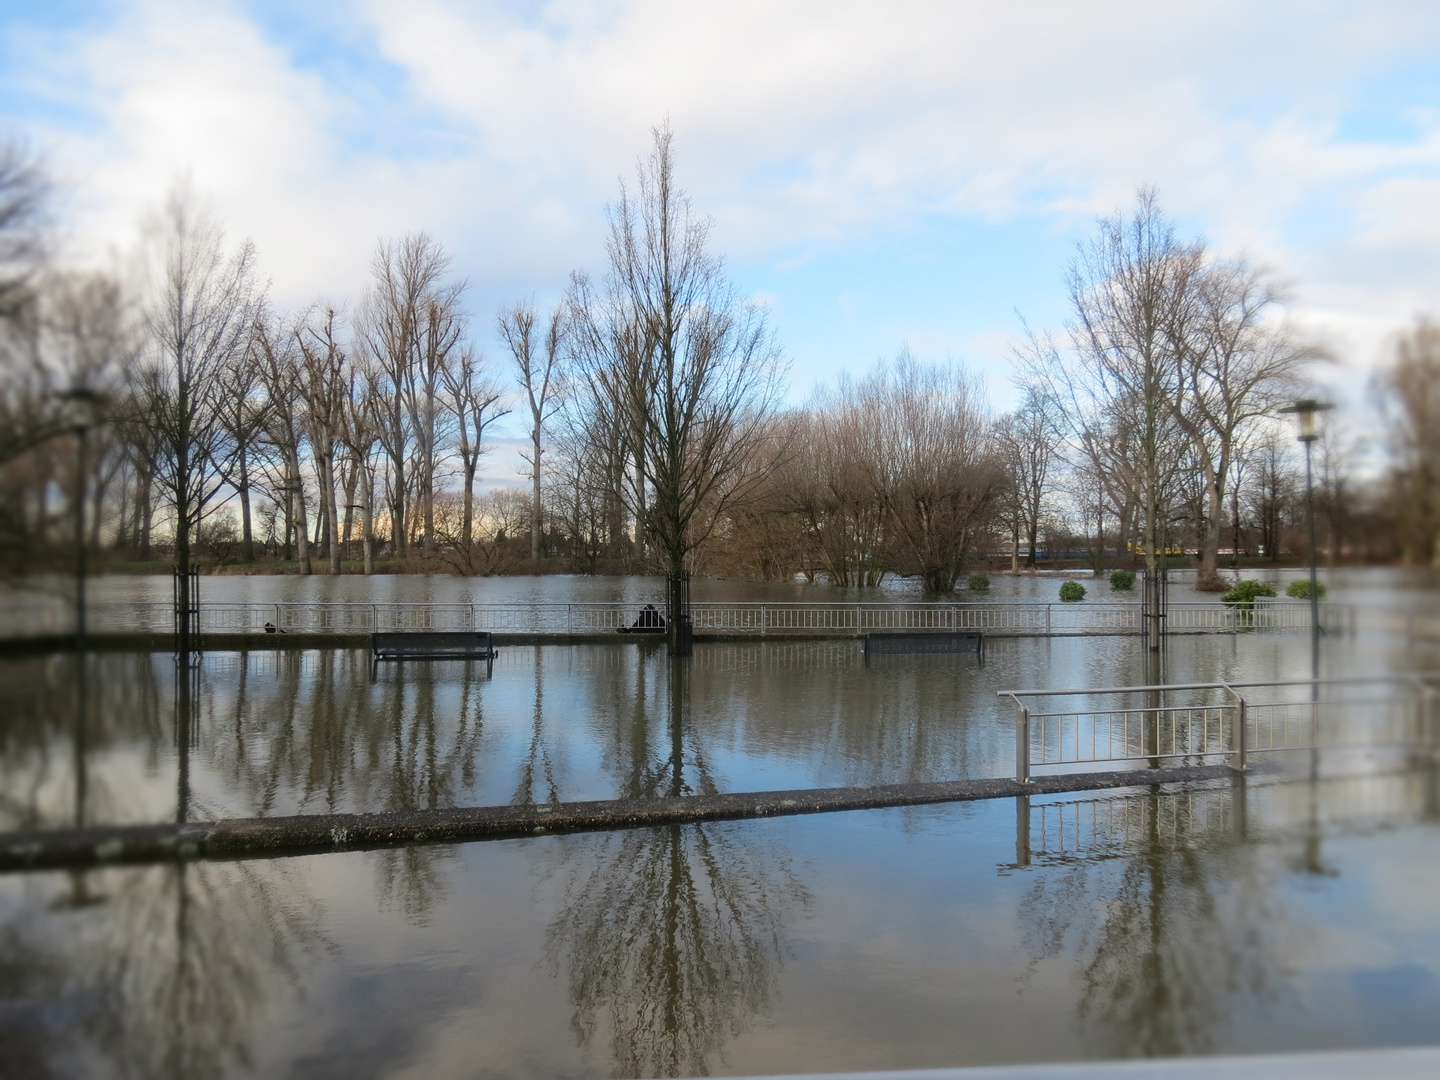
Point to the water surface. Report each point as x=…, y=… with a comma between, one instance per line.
x=1294, y=916
x=1286, y=912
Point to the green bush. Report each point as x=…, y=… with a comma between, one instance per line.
x=1300, y=590
x=978, y=582
x=1245, y=592
x=1121, y=580
x=1071, y=591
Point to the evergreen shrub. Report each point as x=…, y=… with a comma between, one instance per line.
x=1245, y=592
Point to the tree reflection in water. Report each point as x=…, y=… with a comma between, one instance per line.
x=157, y=972
x=1179, y=941
x=333, y=741
x=166, y=976
x=672, y=938
x=537, y=751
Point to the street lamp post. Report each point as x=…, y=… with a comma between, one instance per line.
x=82, y=409
x=1306, y=411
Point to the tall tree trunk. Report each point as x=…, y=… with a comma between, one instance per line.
x=351, y=484
x=535, y=519
x=398, y=523
x=247, y=533
x=288, y=527
x=332, y=522
x=427, y=496
x=302, y=538
x=1210, y=535
x=1235, y=525
x=367, y=524
x=468, y=525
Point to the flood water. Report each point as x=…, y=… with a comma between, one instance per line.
x=872, y=939
x=1372, y=589
x=1284, y=912
x=324, y=730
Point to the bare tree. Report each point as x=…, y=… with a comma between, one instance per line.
x=278, y=357
x=475, y=399
x=324, y=388
x=540, y=371
x=931, y=453
x=1271, y=491
x=244, y=410
x=1031, y=438
x=1128, y=288
x=199, y=320
x=831, y=489
x=90, y=340
x=28, y=412
x=1235, y=366
x=361, y=434
x=410, y=325
x=24, y=191
x=693, y=366
x=1412, y=394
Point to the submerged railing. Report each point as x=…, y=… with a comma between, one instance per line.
x=744, y=618
x=1225, y=721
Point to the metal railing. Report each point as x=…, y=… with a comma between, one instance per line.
x=1238, y=720
x=1095, y=829
x=757, y=618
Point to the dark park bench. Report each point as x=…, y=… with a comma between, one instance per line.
x=432, y=645
x=925, y=641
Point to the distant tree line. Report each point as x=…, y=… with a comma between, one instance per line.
x=350, y=436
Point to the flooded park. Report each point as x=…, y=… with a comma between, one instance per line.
x=1288, y=906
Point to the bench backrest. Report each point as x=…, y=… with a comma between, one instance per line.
x=926, y=642
x=431, y=643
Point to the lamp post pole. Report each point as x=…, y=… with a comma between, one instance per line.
x=1306, y=411
x=1314, y=583
x=80, y=568
x=82, y=405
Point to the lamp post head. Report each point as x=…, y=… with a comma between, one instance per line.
x=82, y=407
x=1305, y=410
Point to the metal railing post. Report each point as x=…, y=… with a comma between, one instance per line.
x=1022, y=830
x=1022, y=743
x=1242, y=722
x=1047, y=620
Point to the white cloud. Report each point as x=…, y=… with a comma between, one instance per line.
x=798, y=124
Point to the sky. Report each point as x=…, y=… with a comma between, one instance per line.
x=908, y=173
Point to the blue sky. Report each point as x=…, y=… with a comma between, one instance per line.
x=911, y=172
